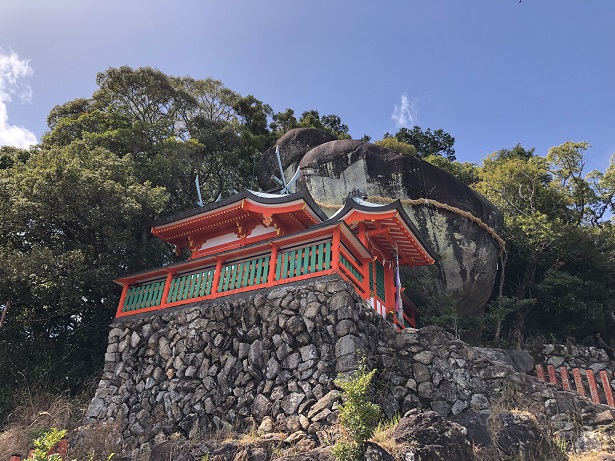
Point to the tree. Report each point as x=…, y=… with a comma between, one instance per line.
x=555, y=273
x=397, y=146
x=73, y=220
x=174, y=128
x=427, y=142
x=331, y=123
x=466, y=172
x=283, y=122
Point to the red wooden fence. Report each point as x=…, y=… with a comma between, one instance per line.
x=599, y=391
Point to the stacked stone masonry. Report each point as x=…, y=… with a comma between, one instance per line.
x=270, y=360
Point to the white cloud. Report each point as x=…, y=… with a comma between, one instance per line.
x=405, y=114
x=13, y=72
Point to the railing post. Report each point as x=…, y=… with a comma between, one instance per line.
x=606, y=386
x=551, y=372
x=217, y=273
x=578, y=382
x=540, y=373
x=273, y=262
x=167, y=288
x=563, y=372
x=335, y=249
x=593, y=389
x=120, y=305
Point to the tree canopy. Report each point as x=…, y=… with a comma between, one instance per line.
x=426, y=143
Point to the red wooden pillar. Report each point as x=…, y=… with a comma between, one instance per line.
x=552, y=376
x=578, y=382
x=335, y=249
x=367, y=265
x=540, y=373
x=273, y=262
x=120, y=305
x=563, y=372
x=593, y=389
x=167, y=288
x=217, y=274
x=606, y=386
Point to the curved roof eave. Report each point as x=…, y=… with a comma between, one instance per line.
x=259, y=197
x=354, y=203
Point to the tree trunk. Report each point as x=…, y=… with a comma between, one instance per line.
x=500, y=318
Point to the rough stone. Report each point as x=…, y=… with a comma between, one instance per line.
x=426, y=435
x=182, y=382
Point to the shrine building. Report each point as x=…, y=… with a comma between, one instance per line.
x=258, y=240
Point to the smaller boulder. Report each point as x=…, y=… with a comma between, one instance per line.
x=425, y=435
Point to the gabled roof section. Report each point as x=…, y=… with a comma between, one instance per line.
x=239, y=214
x=388, y=229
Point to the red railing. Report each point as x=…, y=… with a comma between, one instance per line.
x=599, y=391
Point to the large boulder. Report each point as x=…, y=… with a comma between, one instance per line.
x=293, y=146
x=450, y=221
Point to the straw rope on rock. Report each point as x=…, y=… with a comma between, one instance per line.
x=426, y=202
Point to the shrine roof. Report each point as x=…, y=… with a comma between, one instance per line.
x=240, y=213
x=390, y=227
x=263, y=198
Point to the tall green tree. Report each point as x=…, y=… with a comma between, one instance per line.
x=73, y=219
x=426, y=142
x=550, y=223
x=331, y=123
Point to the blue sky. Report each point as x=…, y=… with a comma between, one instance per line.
x=492, y=73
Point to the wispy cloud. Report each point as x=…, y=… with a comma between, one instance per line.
x=405, y=114
x=13, y=72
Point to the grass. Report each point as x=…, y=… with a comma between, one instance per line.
x=383, y=434
x=593, y=456
x=37, y=413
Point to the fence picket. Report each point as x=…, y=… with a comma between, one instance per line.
x=593, y=389
x=578, y=382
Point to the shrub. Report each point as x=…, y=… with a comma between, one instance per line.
x=46, y=442
x=358, y=415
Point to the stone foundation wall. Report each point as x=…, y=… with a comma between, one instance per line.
x=572, y=356
x=270, y=359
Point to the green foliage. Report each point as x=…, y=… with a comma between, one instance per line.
x=347, y=451
x=331, y=123
x=426, y=142
x=73, y=220
x=556, y=278
x=396, y=146
x=439, y=310
x=44, y=443
x=466, y=172
x=358, y=415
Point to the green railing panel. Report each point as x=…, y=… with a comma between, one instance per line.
x=380, y=288
x=264, y=270
x=305, y=260
x=291, y=269
x=252, y=272
x=278, y=271
x=327, y=256
x=244, y=274
x=371, y=277
x=320, y=258
x=348, y=265
x=189, y=286
x=141, y=296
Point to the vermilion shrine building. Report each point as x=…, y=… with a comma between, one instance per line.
x=255, y=240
